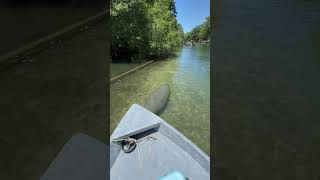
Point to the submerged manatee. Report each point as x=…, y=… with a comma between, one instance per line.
x=158, y=99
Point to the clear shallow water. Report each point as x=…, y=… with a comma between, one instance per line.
x=188, y=109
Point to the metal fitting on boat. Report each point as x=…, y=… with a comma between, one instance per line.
x=128, y=145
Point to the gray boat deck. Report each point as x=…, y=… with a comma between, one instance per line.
x=154, y=158
x=157, y=158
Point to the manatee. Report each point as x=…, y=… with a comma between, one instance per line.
x=158, y=99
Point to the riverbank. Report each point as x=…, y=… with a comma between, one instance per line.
x=127, y=72
x=193, y=43
x=117, y=69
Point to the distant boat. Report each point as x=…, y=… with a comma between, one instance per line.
x=143, y=146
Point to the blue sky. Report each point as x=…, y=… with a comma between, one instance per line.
x=192, y=12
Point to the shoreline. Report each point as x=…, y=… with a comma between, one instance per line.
x=121, y=75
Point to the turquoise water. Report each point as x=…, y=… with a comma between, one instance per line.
x=188, y=109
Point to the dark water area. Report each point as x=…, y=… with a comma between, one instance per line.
x=266, y=84
x=49, y=98
x=22, y=23
x=92, y=3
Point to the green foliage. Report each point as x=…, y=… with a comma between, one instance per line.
x=147, y=28
x=199, y=33
x=166, y=32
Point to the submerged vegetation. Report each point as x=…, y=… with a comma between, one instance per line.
x=144, y=29
x=199, y=33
